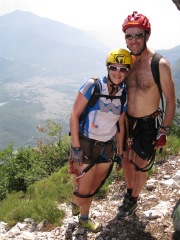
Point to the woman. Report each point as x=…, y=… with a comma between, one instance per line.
x=93, y=138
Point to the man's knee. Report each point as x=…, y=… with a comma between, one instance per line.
x=140, y=163
x=126, y=161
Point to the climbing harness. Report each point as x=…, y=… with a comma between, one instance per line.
x=134, y=124
x=100, y=159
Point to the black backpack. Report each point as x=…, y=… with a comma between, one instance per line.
x=155, y=71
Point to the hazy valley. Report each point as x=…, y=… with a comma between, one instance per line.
x=43, y=63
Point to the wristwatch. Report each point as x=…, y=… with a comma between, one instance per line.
x=76, y=148
x=165, y=128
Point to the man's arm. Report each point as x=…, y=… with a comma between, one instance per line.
x=168, y=90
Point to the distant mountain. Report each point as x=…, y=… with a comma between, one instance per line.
x=176, y=76
x=34, y=46
x=43, y=63
x=31, y=45
x=173, y=56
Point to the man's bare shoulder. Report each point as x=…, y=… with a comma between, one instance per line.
x=165, y=70
x=164, y=64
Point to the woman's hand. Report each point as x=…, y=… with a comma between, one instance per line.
x=76, y=154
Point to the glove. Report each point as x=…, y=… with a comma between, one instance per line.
x=161, y=139
x=118, y=159
x=76, y=154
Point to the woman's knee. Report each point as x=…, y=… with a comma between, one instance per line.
x=81, y=199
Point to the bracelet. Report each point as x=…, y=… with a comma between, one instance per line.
x=76, y=148
x=119, y=159
x=165, y=128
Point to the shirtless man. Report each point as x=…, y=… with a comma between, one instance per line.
x=145, y=133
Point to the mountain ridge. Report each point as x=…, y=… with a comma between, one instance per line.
x=46, y=44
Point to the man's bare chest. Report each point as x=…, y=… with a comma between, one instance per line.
x=140, y=79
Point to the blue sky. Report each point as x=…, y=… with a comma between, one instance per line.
x=104, y=18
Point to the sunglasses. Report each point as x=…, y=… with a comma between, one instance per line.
x=136, y=36
x=120, y=69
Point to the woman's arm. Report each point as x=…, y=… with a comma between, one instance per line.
x=120, y=135
x=120, y=138
x=78, y=107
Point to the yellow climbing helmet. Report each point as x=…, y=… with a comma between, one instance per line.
x=120, y=56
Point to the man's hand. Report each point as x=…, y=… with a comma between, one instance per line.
x=161, y=140
x=76, y=154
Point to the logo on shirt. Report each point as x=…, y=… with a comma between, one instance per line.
x=109, y=107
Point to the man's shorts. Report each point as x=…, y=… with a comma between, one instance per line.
x=143, y=132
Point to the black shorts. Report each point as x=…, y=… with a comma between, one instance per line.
x=143, y=132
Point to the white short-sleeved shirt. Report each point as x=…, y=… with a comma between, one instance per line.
x=101, y=121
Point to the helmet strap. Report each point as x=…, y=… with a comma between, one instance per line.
x=112, y=85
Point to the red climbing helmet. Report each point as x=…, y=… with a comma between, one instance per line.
x=137, y=20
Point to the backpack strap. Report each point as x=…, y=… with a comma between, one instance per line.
x=155, y=71
x=93, y=99
x=96, y=93
x=122, y=97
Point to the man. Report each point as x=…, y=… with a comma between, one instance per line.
x=145, y=131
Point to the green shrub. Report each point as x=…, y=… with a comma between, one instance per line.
x=40, y=201
x=29, y=165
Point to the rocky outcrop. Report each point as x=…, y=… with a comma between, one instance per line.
x=177, y=3
x=152, y=220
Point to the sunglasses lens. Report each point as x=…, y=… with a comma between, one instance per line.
x=128, y=36
x=136, y=36
x=123, y=69
x=113, y=68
